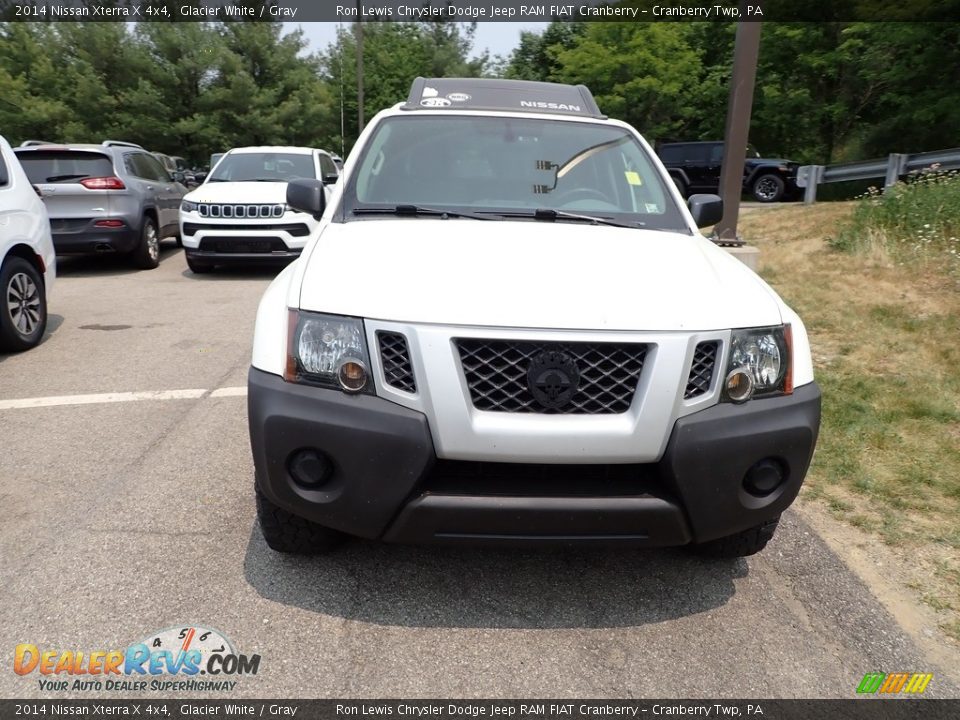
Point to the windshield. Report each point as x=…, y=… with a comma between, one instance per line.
x=264, y=167
x=511, y=165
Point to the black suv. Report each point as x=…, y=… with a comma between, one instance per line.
x=695, y=168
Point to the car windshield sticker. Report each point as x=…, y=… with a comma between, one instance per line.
x=633, y=178
x=435, y=102
x=458, y=96
x=652, y=207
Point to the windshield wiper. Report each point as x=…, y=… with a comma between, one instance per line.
x=58, y=178
x=413, y=210
x=550, y=215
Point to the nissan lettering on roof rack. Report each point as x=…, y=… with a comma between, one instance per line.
x=504, y=95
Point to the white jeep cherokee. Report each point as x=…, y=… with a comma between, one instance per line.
x=239, y=213
x=507, y=329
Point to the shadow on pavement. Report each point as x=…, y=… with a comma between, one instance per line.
x=476, y=588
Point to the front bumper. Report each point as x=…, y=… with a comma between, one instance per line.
x=220, y=240
x=387, y=482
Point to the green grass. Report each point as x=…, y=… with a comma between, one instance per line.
x=879, y=294
x=914, y=220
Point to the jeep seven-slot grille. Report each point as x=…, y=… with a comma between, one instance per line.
x=395, y=356
x=220, y=210
x=496, y=374
x=701, y=371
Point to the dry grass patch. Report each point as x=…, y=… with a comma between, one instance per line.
x=885, y=346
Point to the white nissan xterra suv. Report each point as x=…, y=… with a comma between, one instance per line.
x=507, y=329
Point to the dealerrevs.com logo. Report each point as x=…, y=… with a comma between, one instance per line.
x=189, y=658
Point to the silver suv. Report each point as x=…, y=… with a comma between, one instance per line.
x=114, y=197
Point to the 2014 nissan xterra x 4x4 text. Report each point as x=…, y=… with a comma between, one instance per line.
x=507, y=329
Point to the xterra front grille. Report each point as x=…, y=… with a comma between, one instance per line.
x=395, y=356
x=499, y=378
x=218, y=210
x=701, y=371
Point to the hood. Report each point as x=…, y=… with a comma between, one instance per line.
x=531, y=275
x=239, y=192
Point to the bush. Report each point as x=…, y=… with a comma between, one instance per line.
x=918, y=219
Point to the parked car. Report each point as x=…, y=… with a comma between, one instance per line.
x=178, y=169
x=508, y=329
x=114, y=197
x=695, y=168
x=28, y=264
x=239, y=213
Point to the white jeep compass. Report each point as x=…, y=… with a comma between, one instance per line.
x=508, y=329
x=239, y=213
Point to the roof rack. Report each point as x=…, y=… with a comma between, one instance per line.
x=504, y=95
x=31, y=143
x=120, y=143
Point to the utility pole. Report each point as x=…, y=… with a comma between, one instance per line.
x=745, y=54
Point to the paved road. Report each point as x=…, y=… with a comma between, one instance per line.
x=122, y=518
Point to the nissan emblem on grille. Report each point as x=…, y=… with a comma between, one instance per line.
x=553, y=378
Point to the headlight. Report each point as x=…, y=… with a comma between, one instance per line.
x=328, y=350
x=188, y=206
x=760, y=364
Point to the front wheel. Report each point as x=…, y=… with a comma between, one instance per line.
x=289, y=533
x=742, y=544
x=23, y=316
x=768, y=188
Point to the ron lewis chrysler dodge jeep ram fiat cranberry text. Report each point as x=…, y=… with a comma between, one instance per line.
x=507, y=329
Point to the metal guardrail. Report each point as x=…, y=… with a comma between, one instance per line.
x=890, y=169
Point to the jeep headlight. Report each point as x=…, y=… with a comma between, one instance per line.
x=188, y=206
x=328, y=350
x=760, y=364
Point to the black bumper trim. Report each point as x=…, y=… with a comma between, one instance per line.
x=384, y=458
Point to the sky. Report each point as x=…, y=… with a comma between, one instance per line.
x=498, y=37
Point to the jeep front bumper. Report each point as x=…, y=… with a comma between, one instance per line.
x=387, y=482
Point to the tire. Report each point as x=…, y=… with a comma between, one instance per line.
x=197, y=267
x=742, y=544
x=288, y=533
x=681, y=186
x=146, y=256
x=21, y=326
x=768, y=188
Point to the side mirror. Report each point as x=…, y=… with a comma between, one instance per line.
x=330, y=179
x=706, y=209
x=307, y=196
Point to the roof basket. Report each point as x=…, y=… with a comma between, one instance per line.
x=503, y=95
x=120, y=143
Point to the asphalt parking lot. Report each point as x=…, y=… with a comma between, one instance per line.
x=132, y=511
